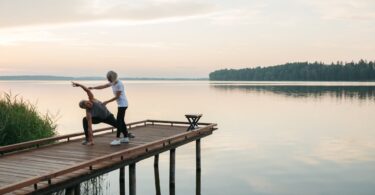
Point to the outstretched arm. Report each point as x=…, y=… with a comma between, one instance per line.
x=118, y=94
x=101, y=86
x=89, y=94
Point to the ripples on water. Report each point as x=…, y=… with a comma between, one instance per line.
x=273, y=138
x=353, y=92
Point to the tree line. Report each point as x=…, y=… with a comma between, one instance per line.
x=301, y=71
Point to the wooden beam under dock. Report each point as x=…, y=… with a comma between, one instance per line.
x=61, y=162
x=172, y=172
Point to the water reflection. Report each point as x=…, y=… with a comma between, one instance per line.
x=340, y=151
x=274, y=138
x=94, y=186
x=352, y=92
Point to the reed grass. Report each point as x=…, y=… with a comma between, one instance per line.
x=20, y=121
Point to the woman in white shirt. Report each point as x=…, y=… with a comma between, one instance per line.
x=122, y=102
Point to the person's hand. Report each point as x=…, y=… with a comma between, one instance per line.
x=74, y=84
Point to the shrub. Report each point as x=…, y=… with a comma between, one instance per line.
x=20, y=121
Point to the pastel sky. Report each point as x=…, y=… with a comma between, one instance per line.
x=179, y=38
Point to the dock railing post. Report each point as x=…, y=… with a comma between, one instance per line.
x=198, y=167
x=157, y=178
x=172, y=170
x=132, y=180
x=122, y=181
x=77, y=189
x=69, y=191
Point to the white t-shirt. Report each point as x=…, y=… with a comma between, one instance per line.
x=122, y=101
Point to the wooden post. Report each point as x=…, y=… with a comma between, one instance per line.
x=156, y=171
x=74, y=190
x=122, y=181
x=198, y=167
x=132, y=184
x=77, y=189
x=69, y=191
x=172, y=169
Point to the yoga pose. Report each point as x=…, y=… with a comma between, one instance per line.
x=122, y=102
x=96, y=112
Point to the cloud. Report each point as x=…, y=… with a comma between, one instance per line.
x=141, y=45
x=237, y=17
x=344, y=9
x=15, y=37
x=250, y=13
x=41, y=12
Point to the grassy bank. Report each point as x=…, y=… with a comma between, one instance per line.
x=20, y=121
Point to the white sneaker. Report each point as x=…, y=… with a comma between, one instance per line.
x=115, y=142
x=124, y=140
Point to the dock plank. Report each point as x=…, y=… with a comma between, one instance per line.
x=64, y=161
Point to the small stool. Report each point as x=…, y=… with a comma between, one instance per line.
x=193, y=120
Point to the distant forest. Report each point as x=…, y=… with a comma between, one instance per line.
x=301, y=71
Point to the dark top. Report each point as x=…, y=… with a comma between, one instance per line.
x=99, y=110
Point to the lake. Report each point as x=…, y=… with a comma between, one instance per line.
x=276, y=138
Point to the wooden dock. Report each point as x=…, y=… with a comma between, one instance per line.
x=49, y=165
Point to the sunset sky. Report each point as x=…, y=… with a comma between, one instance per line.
x=179, y=38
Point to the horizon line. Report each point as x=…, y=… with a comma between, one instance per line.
x=59, y=77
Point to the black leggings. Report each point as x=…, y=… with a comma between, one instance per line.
x=121, y=125
x=110, y=120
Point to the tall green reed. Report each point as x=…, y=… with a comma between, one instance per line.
x=20, y=121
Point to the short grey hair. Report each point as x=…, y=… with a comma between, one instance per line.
x=82, y=104
x=112, y=76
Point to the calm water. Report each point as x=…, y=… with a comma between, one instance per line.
x=273, y=138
